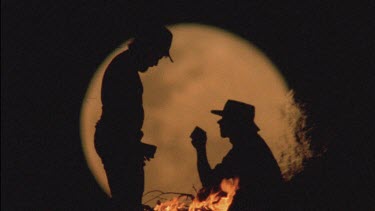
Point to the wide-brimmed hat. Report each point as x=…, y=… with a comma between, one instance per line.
x=238, y=111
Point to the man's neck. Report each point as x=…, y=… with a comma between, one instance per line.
x=136, y=61
x=243, y=138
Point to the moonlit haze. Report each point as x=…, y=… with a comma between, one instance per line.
x=210, y=66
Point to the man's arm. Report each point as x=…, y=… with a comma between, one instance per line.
x=199, y=140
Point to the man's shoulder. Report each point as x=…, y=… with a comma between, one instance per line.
x=123, y=61
x=231, y=157
x=122, y=55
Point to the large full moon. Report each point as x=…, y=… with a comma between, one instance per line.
x=210, y=66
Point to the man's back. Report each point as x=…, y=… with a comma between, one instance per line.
x=259, y=173
x=119, y=127
x=252, y=162
x=122, y=95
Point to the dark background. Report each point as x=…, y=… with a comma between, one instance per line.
x=49, y=51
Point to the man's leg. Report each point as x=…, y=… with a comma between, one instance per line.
x=125, y=178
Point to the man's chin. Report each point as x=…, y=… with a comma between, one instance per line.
x=142, y=70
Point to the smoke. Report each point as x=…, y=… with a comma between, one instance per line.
x=296, y=141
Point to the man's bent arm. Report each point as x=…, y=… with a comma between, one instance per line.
x=199, y=140
x=204, y=168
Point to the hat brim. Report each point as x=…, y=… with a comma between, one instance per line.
x=217, y=112
x=170, y=58
x=255, y=126
x=220, y=113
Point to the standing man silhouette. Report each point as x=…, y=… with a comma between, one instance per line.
x=118, y=133
x=250, y=159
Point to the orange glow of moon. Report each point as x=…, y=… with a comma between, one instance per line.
x=211, y=66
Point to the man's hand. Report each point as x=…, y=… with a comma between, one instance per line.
x=148, y=151
x=198, y=138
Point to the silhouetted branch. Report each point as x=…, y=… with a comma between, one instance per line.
x=166, y=193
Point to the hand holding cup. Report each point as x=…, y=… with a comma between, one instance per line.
x=198, y=138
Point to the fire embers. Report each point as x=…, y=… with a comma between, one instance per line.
x=216, y=200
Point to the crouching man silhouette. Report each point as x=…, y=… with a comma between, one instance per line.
x=250, y=159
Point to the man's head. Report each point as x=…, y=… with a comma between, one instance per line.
x=237, y=117
x=150, y=45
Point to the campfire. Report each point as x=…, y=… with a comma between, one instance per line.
x=219, y=200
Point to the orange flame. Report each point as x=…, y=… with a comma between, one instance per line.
x=215, y=201
x=172, y=205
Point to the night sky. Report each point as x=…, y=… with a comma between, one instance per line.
x=51, y=49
